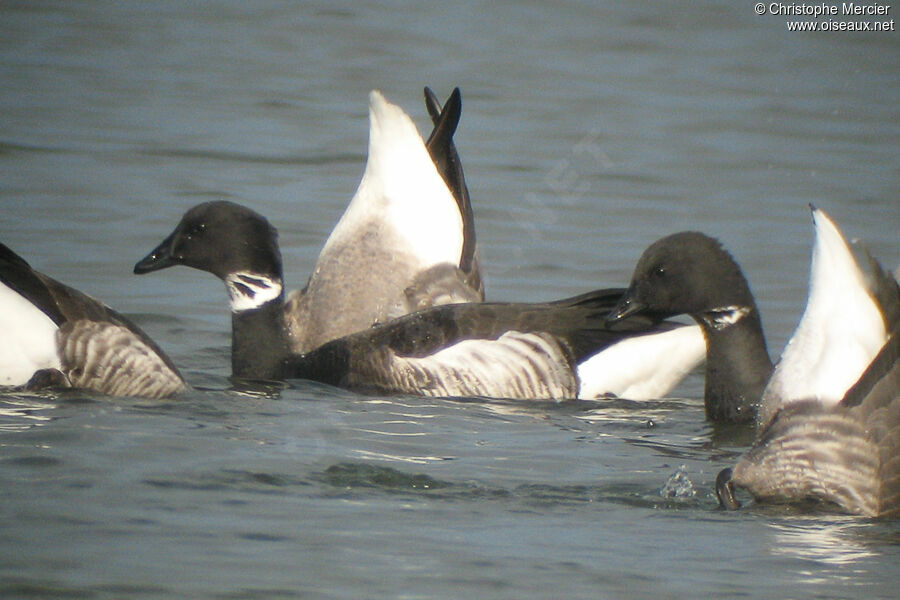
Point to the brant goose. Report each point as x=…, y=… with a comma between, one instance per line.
x=827, y=433
x=54, y=335
x=690, y=273
x=465, y=349
x=405, y=241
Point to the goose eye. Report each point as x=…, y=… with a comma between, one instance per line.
x=659, y=272
x=196, y=229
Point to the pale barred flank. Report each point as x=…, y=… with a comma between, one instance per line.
x=827, y=456
x=113, y=360
x=883, y=425
x=517, y=365
x=890, y=482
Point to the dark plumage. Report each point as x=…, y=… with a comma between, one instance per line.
x=446, y=159
x=690, y=273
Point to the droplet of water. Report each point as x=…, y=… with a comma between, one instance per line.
x=678, y=485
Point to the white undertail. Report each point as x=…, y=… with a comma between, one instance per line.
x=841, y=331
x=402, y=189
x=27, y=339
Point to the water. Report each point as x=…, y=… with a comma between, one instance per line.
x=588, y=131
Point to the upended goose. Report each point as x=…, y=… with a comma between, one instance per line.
x=406, y=241
x=52, y=335
x=467, y=349
x=846, y=456
x=830, y=416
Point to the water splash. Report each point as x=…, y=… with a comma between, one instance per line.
x=678, y=485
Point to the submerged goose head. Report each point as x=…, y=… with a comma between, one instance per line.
x=844, y=456
x=691, y=273
x=232, y=242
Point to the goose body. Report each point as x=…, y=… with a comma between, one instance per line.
x=845, y=455
x=830, y=416
x=465, y=349
x=52, y=334
x=491, y=349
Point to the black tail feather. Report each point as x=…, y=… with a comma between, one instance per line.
x=443, y=153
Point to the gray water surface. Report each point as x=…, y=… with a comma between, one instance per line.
x=589, y=130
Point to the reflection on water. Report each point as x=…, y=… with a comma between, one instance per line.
x=20, y=412
x=835, y=542
x=416, y=460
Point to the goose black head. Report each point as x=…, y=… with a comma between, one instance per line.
x=684, y=273
x=221, y=238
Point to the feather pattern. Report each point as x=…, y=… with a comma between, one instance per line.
x=820, y=440
x=114, y=360
x=810, y=452
x=516, y=365
x=523, y=351
x=845, y=455
x=95, y=347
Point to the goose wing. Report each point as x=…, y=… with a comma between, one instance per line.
x=479, y=349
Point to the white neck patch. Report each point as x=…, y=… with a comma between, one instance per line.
x=726, y=316
x=248, y=291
